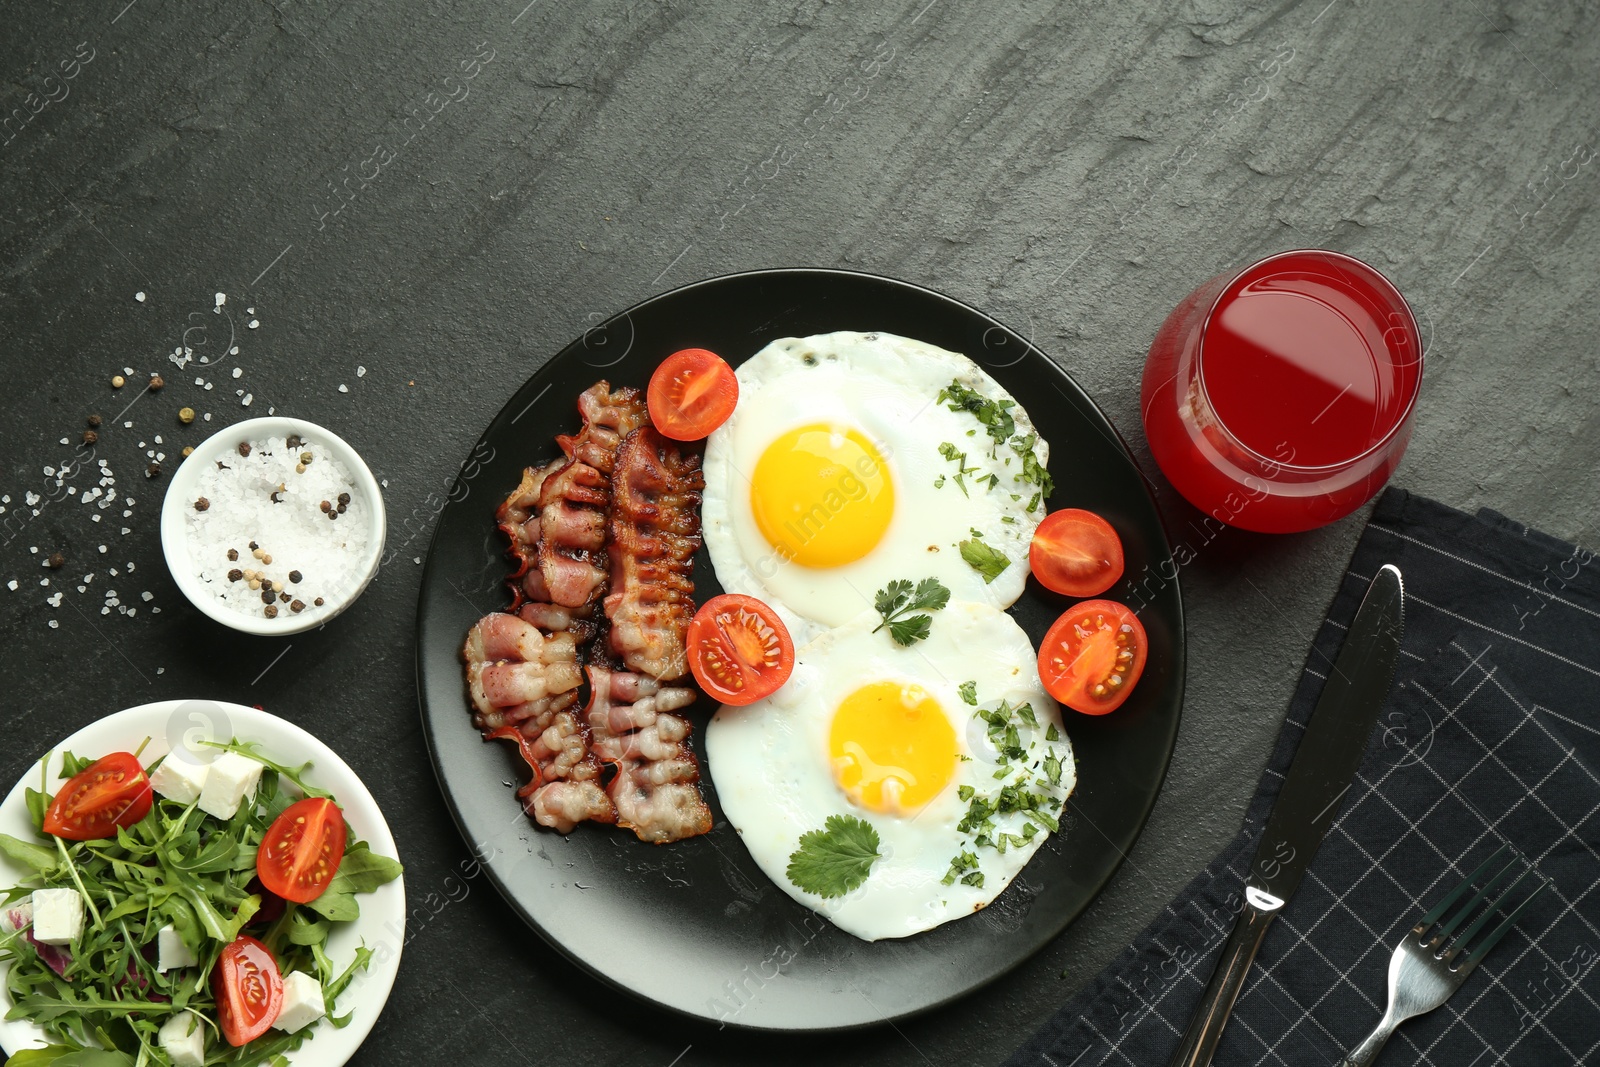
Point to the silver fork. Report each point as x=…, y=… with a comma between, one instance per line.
x=1423, y=972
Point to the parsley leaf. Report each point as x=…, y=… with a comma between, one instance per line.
x=969, y=693
x=963, y=861
x=985, y=559
x=897, y=600
x=832, y=862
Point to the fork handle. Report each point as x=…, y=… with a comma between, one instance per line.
x=1205, y=1028
x=1365, y=1053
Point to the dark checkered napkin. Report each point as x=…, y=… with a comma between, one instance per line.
x=1489, y=736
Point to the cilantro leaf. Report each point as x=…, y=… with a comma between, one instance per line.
x=985, y=559
x=909, y=631
x=896, y=599
x=931, y=595
x=891, y=598
x=832, y=862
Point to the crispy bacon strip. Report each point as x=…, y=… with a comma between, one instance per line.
x=524, y=687
x=655, y=791
x=655, y=531
x=574, y=499
x=619, y=511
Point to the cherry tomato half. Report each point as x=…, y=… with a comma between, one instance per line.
x=1092, y=656
x=249, y=990
x=1076, y=552
x=739, y=650
x=109, y=793
x=691, y=393
x=302, y=850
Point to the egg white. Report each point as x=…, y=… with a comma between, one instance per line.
x=771, y=767
x=886, y=387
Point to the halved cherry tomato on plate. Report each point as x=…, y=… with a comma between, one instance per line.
x=302, y=850
x=1092, y=656
x=110, y=792
x=1076, y=552
x=739, y=650
x=249, y=990
x=691, y=393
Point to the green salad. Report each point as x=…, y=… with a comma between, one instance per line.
x=177, y=915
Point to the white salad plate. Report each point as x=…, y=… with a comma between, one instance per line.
x=184, y=723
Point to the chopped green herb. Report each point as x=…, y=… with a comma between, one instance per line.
x=993, y=415
x=1051, y=733
x=964, y=861
x=969, y=693
x=833, y=861
x=985, y=559
x=948, y=451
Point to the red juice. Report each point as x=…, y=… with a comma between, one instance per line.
x=1280, y=399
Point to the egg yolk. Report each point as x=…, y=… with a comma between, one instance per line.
x=822, y=496
x=892, y=747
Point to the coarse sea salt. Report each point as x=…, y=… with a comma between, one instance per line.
x=294, y=532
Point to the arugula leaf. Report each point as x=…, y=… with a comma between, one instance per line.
x=67, y=1056
x=969, y=693
x=895, y=600
x=832, y=862
x=38, y=857
x=361, y=871
x=985, y=559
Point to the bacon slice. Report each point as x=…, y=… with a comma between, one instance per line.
x=655, y=792
x=574, y=499
x=524, y=687
x=614, y=520
x=655, y=531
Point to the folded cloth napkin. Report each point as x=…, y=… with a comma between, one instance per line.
x=1491, y=734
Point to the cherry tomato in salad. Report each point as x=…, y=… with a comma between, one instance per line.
x=691, y=393
x=739, y=650
x=110, y=792
x=1092, y=657
x=302, y=850
x=1076, y=552
x=249, y=990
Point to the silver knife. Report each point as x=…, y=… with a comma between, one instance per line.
x=1319, y=776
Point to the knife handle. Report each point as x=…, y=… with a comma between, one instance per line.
x=1205, y=1028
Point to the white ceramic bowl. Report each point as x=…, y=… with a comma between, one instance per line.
x=176, y=725
x=181, y=493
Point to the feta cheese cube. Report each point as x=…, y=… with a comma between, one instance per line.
x=184, y=1040
x=179, y=779
x=232, y=777
x=302, y=1003
x=57, y=916
x=18, y=915
x=171, y=951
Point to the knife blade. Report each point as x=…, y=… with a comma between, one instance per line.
x=1320, y=774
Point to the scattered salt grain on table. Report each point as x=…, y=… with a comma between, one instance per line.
x=273, y=532
x=139, y=297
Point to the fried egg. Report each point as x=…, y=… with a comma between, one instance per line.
x=908, y=740
x=842, y=469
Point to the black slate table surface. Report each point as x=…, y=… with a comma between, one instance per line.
x=415, y=241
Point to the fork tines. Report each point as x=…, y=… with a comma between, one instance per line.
x=1436, y=942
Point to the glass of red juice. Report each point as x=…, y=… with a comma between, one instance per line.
x=1280, y=398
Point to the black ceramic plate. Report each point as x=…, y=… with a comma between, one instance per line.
x=696, y=926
